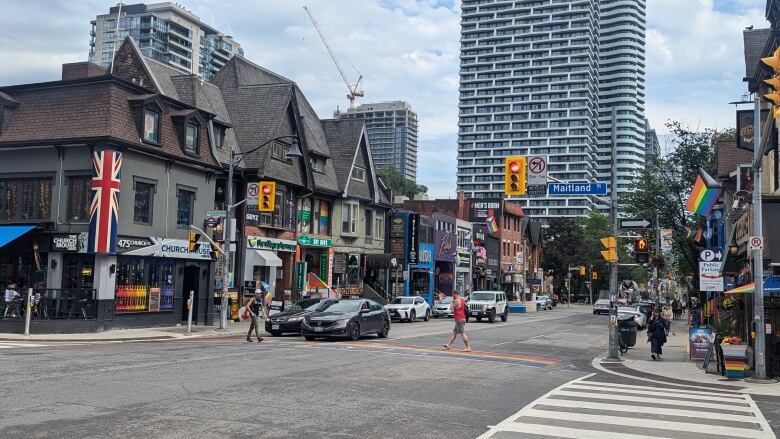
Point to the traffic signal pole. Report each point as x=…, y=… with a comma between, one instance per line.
x=758, y=255
x=613, y=353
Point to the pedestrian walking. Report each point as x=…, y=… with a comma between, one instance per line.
x=676, y=309
x=459, y=310
x=657, y=329
x=254, y=307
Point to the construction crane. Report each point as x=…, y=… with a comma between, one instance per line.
x=355, y=90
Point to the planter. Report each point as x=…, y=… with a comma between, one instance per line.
x=734, y=359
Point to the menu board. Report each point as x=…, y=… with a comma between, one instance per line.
x=154, y=299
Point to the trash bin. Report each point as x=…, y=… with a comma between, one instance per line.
x=627, y=328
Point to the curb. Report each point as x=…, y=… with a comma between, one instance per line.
x=85, y=340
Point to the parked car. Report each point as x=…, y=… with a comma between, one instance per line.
x=488, y=304
x=646, y=309
x=409, y=308
x=290, y=319
x=348, y=318
x=543, y=302
x=442, y=308
x=601, y=306
x=639, y=317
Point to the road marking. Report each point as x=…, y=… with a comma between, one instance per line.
x=588, y=409
x=502, y=343
x=11, y=345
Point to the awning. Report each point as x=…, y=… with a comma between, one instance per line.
x=378, y=260
x=10, y=233
x=263, y=258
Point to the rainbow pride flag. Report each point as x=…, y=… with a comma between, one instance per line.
x=744, y=289
x=492, y=225
x=693, y=234
x=704, y=195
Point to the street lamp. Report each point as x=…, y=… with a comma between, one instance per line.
x=294, y=151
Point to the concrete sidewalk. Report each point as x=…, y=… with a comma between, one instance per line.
x=158, y=333
x=675, y=366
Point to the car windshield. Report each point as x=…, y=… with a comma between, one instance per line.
x=446, y=300
x=342, y=306
x=483, y=296
x=542, y=297
x=308, y=305
x=625, y=309
x=602, y=302
x=403, y=301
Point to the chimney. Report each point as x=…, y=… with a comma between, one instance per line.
x=83, y=69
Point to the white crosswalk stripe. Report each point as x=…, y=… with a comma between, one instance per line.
x=11, y=345
x=599, y=410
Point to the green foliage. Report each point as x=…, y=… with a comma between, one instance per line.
x=393, y=179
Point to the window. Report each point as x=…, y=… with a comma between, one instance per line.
x=142, y=207
x=279, y=151
x=358, y=174
x=185, y=208
x=25, y=199
x=321, y=223
x=349, y=218
x=151, y=126
x=369, y=223
x=191, y=138
x=379, y=228
x=219, y=135
x=79, y=198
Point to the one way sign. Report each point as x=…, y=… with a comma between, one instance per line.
x=634, y=224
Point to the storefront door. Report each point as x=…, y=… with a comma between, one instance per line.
x=190, y=283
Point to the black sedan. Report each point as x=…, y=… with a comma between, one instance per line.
x=349, y=318
x=290, y=319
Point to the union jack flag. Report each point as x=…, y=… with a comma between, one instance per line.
x=104, y=212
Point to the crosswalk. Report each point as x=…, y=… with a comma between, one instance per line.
x=12, y=345
x=600, y=410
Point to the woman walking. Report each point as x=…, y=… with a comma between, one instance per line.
x=656, y=333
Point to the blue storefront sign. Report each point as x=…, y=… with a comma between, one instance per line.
x=577, y=188
x=419, y=279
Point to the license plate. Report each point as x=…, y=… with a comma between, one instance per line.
x=274, y=326
x=317, y=329
x=474, y=313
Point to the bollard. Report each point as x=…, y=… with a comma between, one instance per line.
x=189, y=314
x=28, y=312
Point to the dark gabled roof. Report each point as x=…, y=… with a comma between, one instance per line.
x=755, y=41
x=349, y=147
x=248, y=73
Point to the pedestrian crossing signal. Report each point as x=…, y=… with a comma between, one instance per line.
x=193, y=245
x=267, y=196
x=514, y=175
x=582, y=271
x=594, y=275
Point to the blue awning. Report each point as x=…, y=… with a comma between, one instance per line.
x=772, y=284
x=9, y=233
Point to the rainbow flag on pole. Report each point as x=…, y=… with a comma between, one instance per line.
x=492, y=225
x=704, y=195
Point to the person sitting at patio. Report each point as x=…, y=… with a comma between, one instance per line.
x=11, y=301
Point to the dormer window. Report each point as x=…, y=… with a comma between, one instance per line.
x=151, y=125
x=358, y=174
x=219, y=134
x=191, y=138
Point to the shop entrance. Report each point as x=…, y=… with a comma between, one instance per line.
x=190, y=283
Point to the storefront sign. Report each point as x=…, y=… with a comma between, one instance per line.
x=426, y=256
x=745, y=129
x=413, y=251
x=132, y=243
x=397, y=227
x=289, y=217
x=446, y=243
x=699, y=340
x=154, y=299
x=397, y=248
x=313, y=241
x=264, y=243
x=480, y=210
x=710, y=277
x=66, y=243
x=165, y=248
x=300, y=276
x=340, y=263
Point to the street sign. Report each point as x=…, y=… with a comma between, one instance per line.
x=756, y=243
x=253, y=194
x=211, y=221
x=710, y=278
x=215, y=214
x=577, y=188
x=537, y=170
x=536, y=190
x=634, y=223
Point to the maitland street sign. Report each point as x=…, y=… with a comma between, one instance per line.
x=577, y=189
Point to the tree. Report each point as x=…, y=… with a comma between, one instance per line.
x=563, y=246
x=664, y=184
x=400, y=185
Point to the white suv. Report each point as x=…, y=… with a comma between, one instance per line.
x=490, y=304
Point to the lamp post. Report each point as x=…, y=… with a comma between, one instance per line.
x=294, y=151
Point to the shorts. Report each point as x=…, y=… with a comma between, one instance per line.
x=460, y=327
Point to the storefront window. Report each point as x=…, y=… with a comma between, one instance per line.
x=419, y=284
x=353, y=270
x=304, y=216
x=132, y=292
x=78, y=272
x=321, y=223
x=161, y=276
x=28, y=199
x=79, y=198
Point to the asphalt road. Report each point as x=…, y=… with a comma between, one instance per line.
x=401, y=387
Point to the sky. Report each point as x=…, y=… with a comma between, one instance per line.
x=407, y=50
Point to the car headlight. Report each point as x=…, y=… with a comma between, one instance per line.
x=295, y=319
x=341, y=322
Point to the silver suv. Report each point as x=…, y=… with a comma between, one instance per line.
x=490, y=304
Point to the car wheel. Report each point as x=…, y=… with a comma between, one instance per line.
x=275, y=333
x=537, y=307
x=492, y=316
x=385, y=330
x=412, y=317
x=309, y=337
x=427, y=316
x=505, y=315
x=436, y=316
x=354, y=331
x=594, y=313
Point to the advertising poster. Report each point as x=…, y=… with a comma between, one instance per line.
x=699, y=340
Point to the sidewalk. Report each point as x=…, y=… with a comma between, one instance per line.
x=159, y=333
x=675, y=367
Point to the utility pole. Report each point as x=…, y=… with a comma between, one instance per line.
x=226, y=230
x=613, y=266
x=758, y=255
x=656, y=281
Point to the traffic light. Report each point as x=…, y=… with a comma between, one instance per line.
x=267, y=196
x=193, y=245
x=514, y=175
x=610, y=244
x=594, y=275
x=214, y=253
x=582, y=271
x=641, y=250
x=774, y=95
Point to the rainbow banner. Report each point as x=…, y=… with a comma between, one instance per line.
x=704, y=195
x=492, y=225
x=744, y=289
